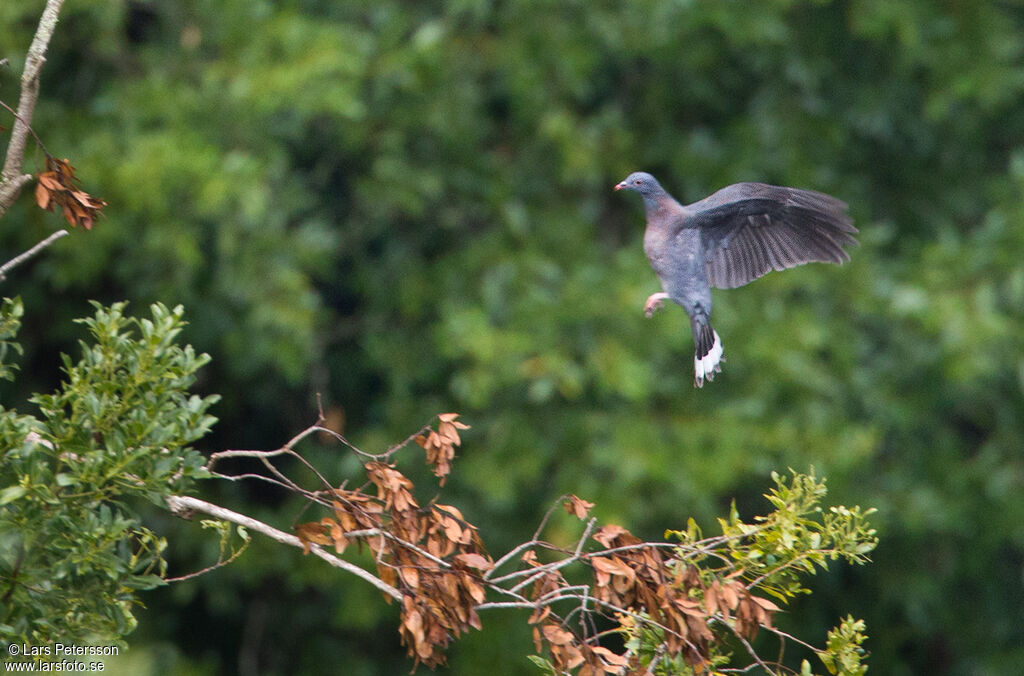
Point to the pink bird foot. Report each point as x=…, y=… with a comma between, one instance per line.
x=654, y=303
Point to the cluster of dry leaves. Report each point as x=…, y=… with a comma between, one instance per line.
x=437, y=561
x=635, y=580
x=58, y=187
x=440, y=445
x=673, y=594
x=431, y=554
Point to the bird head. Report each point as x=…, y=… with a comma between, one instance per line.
x=640, y=182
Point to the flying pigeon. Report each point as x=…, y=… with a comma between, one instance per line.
x=740, y=233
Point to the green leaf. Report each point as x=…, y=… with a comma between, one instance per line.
x=12, y=493
x=143, y=582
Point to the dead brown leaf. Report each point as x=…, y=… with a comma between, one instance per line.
x=58, y=187
x=474, y=560
x=577, y=506
x=311, y=533
x=555, y=635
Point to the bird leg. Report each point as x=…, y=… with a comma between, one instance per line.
x=654, y=303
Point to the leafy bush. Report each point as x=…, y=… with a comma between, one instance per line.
x=74, y=551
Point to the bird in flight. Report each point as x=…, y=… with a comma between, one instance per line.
x=740, y=233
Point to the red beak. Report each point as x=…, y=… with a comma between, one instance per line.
x=620, y=186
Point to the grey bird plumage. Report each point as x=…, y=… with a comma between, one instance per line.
x=740, y=233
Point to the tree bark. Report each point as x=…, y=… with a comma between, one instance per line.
x=12, y=179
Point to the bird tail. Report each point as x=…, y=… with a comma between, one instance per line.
x=707, y=358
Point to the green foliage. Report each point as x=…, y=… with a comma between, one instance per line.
x=544, y=665
x=644, y=639
x=10, y=322
x=843, y=653
x=776, y=549
x=75, y=551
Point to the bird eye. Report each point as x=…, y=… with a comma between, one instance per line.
x=636, y=182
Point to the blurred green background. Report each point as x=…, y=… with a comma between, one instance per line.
x=407, y=207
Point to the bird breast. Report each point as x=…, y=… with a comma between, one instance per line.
x=656, y=246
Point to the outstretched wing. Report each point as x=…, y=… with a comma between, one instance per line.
x=749, y=229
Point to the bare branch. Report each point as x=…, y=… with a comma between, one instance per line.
x=583, y=538
x=18, y=260
x=659, y=654
x=753, y=654
x=372, y=456
x=534, y=541
x=182, y=504
x=287, y=449
x=251, y=475
x=511, y=554
x=214, y=457
x=540, y=572
x=12, y=180
x=784, y=637
x=220, y=564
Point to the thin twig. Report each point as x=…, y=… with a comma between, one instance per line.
x=583, y=611
x=287, y=449
x=641, y=618
x=532, y=573
x=576, y=588
x=39, y=141
x=583, y=538
x=249, y=475
x=783, y=635
x=21, y=258
x=750, y=649
x=320, y=419
x=659, y=654
x=495, y=605
x=208, y=569
x=733, y=670
x=541, y=571
x=511, y=554
x=534, y=541
x=554, y=565
x=547, y=516
x=219, y=455
x=284, y=478
x=402, y=444
x=372, y=456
